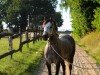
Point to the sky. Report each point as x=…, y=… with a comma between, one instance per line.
x=66, y=18
x=4, y=25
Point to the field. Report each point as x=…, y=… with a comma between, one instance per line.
x=22, y=63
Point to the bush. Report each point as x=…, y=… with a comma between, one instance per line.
x=96, y=22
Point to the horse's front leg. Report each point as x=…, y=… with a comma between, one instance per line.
x=63, y=66
x=70, y=68
x=49, y=68
x=57, y=68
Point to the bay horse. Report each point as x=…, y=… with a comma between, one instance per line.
x=60, y=49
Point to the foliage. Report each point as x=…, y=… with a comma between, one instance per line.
x=58, y=18
x=87, y=8
x=96, y=22
x=98, y=1
x=79, y=23
x=12, y=12
x=2, y=9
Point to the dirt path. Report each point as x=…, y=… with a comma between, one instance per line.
x=84, y=65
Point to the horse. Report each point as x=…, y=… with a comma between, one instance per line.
x=60, y=49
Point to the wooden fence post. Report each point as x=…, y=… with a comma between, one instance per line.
x=20, y=40
x=27, y=37
x=10, y=43
x=20, y=32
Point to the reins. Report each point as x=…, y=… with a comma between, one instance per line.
x=68, y=61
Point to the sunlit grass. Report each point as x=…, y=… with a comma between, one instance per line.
x=22, y=63
x=4, y=45
x=92, y=45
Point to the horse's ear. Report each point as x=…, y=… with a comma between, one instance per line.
x=43, y=24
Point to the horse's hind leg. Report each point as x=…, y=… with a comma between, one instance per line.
x=63, y=67
x=49, y=68
x=57, y=68
x=71, y=61
x=70, y=65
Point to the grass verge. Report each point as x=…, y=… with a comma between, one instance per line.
x=91, y=44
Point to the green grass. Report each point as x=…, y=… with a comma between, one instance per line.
x=91, y=43
x=24, y=63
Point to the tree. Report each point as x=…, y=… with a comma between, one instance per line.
x=17, y=11
x=2, y=9
x=58, y=18
x=87, y=8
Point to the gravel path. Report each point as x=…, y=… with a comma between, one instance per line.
x=83, y=65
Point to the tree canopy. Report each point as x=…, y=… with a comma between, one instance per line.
x=16, y=12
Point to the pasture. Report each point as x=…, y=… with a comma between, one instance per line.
x=22, y=63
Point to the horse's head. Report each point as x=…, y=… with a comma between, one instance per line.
x=50, y=29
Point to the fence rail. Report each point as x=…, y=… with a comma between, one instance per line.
x=10, y=36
